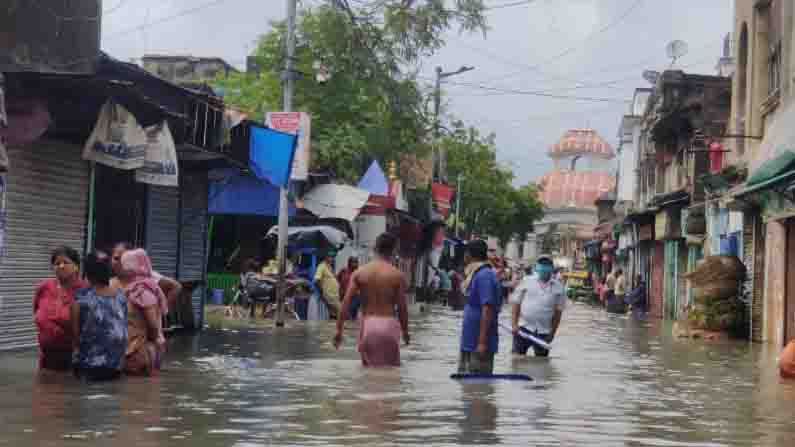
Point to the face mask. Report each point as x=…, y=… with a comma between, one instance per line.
x=544, y=271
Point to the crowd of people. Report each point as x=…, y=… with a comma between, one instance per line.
x=105, y=319
x=537, y=303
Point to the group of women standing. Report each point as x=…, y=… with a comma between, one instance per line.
x=105, y=321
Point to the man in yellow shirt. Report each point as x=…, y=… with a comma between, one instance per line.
x=327, y=281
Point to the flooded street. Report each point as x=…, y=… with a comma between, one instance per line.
x=610, y=381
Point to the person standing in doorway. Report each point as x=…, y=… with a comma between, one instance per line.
x=479, y=338
x=344, y=279
x=537, y=308
x=382, y=289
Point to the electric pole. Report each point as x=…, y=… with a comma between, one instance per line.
x=438, y=160
x=288, y=78
x=438, y=152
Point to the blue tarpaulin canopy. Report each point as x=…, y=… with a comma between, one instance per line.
x=271, y=155
x=374, y=181
x=231, y=192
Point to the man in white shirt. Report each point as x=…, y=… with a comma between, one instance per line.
x=538, y=304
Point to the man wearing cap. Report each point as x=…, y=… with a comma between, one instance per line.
x=537, y=307
x=483, y=300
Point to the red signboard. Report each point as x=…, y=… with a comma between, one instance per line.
x=442, y=198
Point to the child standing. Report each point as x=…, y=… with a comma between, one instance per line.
x=99, y=321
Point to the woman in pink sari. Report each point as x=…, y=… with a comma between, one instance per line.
x=146, y=307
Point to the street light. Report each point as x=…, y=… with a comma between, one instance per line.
x=437, y=99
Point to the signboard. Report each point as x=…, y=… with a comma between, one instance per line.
x=47, y=36
x=296, y=123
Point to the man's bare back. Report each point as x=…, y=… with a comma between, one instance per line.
x=381, y=287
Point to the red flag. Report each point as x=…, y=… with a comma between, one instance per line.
x=442, y=198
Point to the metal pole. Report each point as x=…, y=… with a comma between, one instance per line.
x=457, y=202
x=288, y=76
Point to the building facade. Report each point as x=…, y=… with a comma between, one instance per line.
x=763, y=143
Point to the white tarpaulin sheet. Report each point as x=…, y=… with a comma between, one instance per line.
x=336, y=201
x=118, y=140
x=333, y=235
x=161, y=165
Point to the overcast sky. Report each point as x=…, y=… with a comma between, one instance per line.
x=594, y=49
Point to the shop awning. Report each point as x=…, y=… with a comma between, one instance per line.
x=233, y=193
x=770, y=173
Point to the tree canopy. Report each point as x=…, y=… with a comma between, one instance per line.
x=490, y=203
x=373, y=106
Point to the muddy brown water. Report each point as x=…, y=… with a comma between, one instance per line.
x=611, y=381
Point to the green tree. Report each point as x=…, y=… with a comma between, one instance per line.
x=490, y=203
x=371, y=106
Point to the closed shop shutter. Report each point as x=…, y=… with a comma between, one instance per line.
x=657, y=279
x=193, y=239
x=46, y=204
x=162, y=228
x=758, y=304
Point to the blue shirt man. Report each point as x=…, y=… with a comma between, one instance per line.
x=479, y=339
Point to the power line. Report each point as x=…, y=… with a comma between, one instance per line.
x=538, y=93
x=115, y=8
x=572, y=49
x=161, y=20
x=509, y=5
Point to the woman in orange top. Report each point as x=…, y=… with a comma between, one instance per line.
x=146, y=305
x=52, y=309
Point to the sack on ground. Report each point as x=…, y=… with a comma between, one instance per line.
x=714, y=268
x=716, y=290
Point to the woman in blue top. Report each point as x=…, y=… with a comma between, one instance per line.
x=99, y=322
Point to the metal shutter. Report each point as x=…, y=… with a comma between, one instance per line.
x=193, y=255
x=47, y=200
x=162, y=228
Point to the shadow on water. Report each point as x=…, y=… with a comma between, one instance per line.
x=610, y=381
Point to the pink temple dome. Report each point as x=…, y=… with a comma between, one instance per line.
x=581, y=142
x=562, y=188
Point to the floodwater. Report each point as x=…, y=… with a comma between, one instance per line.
x=611, y=381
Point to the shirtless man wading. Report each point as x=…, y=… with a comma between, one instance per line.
x=381, y=287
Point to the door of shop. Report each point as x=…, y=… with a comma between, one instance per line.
x=789, y=303
x=119, y=207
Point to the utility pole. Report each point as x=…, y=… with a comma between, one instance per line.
x=438, y=153
x=458, y=193
x=438, y=167
x=288, y=78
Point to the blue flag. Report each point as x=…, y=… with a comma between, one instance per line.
x=374, y=181
x=271, y=155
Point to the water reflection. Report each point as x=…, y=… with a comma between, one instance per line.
x=610, y=381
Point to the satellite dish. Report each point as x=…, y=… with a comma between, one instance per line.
x=675, y=50
x=651, y=76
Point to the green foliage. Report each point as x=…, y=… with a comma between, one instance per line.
x=368, y=109
x=490, y=203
